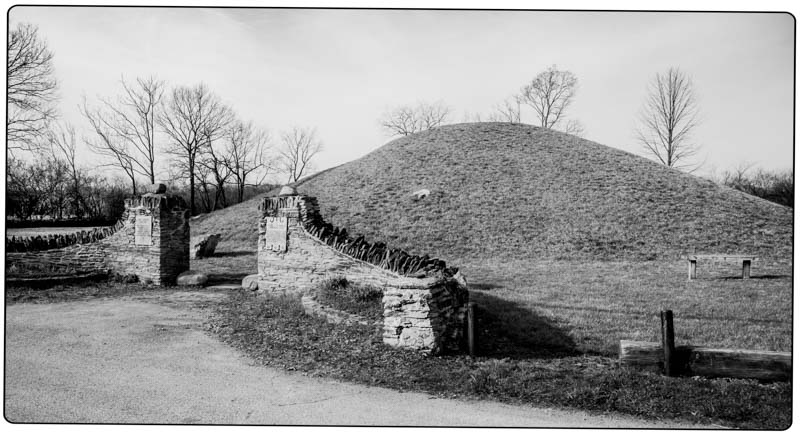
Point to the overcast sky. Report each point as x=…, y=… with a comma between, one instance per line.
x=340, y=70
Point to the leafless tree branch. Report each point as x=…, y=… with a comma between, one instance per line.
x=31, y=88
x=299, y=146
x=405, y=120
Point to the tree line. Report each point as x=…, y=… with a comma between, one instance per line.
x=216, y=158
x=775, y=186
x=212, y=154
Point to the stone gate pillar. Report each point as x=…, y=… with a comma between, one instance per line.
x=283, y=251
x=154, y=244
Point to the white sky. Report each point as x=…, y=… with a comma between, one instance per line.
x=339, y=70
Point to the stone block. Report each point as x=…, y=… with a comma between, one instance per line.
x=192, y=278
x=250, y=283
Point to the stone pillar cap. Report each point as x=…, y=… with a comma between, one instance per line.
x=287, y=190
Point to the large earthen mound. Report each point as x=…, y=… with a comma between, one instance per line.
x=504, y=191
x=513, y=191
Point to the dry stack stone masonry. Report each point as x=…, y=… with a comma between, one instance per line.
x=424, y=301
x=151, y=241
x=154, y=243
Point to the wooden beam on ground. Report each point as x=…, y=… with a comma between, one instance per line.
x=761, y=365
x=710, y=362
x=645, y=355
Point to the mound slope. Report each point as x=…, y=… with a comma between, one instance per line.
x=512, y=191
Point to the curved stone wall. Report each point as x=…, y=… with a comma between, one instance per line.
x=424, y=301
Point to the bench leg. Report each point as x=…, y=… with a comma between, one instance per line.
x=692, y=269
x=745, y=269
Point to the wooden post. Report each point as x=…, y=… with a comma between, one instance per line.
x=668, y=341
x=471, y=345
x=692, y=269
x=746, y=269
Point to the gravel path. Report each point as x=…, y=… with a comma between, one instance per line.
x=148, y=360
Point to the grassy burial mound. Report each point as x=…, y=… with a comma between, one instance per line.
x=581, y=239
x=510, y=191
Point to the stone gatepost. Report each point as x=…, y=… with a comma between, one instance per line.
x=285, y=255
x=154, y=243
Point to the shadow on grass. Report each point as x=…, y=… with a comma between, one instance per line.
x=222, y=279
x=233, y=254
x=752, y=277
x=483, y=286
x=506, y=329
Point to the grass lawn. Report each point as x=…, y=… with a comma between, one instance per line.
x=591, y=306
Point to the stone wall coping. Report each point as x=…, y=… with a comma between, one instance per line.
x=55, y=241
x=391, y=274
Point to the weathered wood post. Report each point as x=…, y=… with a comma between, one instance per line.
x=692, y=269
x=668, y=341
x=471, y=344
x=746, y=269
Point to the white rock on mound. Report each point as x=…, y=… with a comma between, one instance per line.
x=422, y=193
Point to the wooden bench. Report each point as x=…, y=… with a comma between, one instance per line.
x=745, y=259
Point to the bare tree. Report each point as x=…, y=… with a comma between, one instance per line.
x=474, y=117
x=550, y=94
x=508, y=111
x=63, y=141
x=405, y=120
x=130, y=119
x=23, y=194
x=193, y=119
x=247, y=146
x=31, y=87
x=300, y=145
x=204, y=184
x=668, y=119
x=108, y=144
x=215, y=164
x=432, y=115
x=575, y=127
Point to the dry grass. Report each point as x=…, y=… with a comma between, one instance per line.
x=596, y=304
x=512, y=191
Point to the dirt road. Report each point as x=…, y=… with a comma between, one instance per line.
x=148, y=360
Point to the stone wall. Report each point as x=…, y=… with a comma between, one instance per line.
x=424, y=301
x=17, y=244
x=425, y=314
x=80, y=257
x=157, y=258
